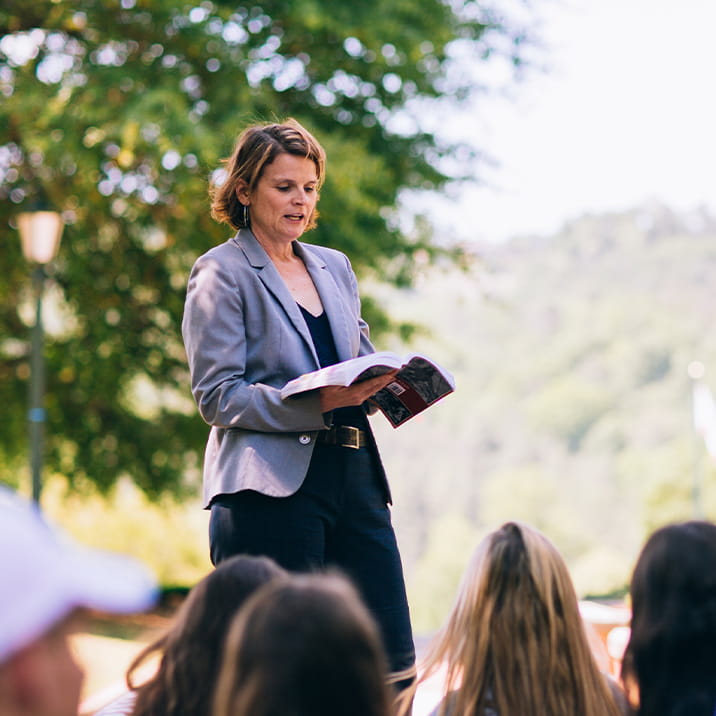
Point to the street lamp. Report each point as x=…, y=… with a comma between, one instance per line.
x=40, y=233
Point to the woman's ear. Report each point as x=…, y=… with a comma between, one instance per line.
x=242, y=192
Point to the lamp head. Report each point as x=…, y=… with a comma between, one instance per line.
x=40, y=233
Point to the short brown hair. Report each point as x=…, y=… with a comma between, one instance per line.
x=256, y=147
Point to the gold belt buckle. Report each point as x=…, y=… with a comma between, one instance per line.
x=352, y=437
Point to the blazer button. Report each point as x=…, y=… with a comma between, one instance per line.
x=304, y=439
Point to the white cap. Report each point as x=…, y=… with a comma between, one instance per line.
x=44, y=576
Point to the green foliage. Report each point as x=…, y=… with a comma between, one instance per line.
x=117, y=112
x=168, y=536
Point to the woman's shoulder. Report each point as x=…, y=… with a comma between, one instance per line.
x=223, y=250
x=122, y=706
x=618, y=695
x=227, y=259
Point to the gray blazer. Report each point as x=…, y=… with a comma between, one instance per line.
x=245, y=338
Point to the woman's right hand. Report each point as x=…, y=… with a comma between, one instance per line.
x=335, y=396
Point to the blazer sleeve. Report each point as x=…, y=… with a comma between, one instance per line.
x=215, y=341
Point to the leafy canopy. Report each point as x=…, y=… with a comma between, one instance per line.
x=116, y=112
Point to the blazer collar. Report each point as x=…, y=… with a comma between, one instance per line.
x=253, y=250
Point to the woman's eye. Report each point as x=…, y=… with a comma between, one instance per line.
x=283, y=188
x=310, y=189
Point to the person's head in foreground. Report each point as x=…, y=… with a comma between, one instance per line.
x=671, y=654
x=514, y=643
x=305, y=646
x=45, y=583
x=191, y=649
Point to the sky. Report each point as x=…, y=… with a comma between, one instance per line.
x=625, y=113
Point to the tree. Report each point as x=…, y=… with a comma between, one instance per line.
x=117, y=111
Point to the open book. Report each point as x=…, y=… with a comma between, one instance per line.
x=419, y=382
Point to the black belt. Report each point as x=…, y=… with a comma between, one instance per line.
x=344, y=436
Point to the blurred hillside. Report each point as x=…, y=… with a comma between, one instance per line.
x=573, y=404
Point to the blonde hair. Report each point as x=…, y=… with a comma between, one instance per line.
x=514, y=640
x=257, y=147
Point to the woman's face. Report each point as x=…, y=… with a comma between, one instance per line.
x=284, y=199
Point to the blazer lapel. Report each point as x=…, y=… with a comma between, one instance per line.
x=331, y=298
x=270, y=277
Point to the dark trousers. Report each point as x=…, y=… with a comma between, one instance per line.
x=338, y=517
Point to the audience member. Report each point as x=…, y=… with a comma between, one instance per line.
x=306, y=646
x=671, y=654
x=46, y=582
x=191, y=648
x=514, y=643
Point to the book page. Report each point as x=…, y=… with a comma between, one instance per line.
x=344, y=373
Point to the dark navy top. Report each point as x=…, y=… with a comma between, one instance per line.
x=325, y=346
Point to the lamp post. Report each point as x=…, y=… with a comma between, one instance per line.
x=40, y=233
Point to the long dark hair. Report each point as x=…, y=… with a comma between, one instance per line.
x=671, y=654
x=191, y=648
x=305, y=646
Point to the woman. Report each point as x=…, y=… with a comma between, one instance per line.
x=190, y=651
x=514, y=643
x=306, y=646
x=298, y=480
x=671, y=654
